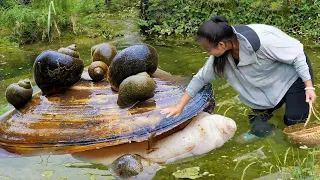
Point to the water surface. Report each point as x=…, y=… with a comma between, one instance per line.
x=228, y=162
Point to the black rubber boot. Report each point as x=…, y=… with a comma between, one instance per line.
x=260, y=125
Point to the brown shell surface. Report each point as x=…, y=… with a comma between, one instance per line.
x=87, y=117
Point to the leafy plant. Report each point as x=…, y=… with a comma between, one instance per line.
x=162, y=18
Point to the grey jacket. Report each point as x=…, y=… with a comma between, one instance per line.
x=270, y=62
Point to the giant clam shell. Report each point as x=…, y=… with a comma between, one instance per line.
x=87, y=117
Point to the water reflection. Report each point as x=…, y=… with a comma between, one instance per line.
x=6, y=154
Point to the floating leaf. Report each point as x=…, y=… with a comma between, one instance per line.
x=47, y=174
x=91, y=176
x=189, y=173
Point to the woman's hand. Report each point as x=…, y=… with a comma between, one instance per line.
x=174, y=111
x=311, y=96
x=310, y=93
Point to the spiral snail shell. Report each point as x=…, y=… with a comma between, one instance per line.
x=103, y=52
x=56, y=71
x=18, y=94
x=71, y=50
x=131, y=61
x=98, y=70
x=135, y=88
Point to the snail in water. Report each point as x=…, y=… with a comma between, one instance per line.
x=18, y=94
x=98, y=70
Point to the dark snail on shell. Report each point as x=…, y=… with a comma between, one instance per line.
x=135, y=88
x=98, y=70
x=131, y=61
x=18, y=94
x=55, y=71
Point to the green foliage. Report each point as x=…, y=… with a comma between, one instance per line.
x=35, y=21
x=7, y=3
x=89, y=6
x=183, y=17
x=29, y=23
x=42, y=20
x=25, y=24
x=119, y=5
x=165, y=18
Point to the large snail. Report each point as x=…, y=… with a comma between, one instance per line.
x=98, y=70
x=133, y=166
x=135, y=88
x=18, y=94
x=131, y=61
x=56, y=71
x=103, y=52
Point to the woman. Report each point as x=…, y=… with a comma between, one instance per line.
x=266, y=66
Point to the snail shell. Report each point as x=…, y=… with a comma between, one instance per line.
x=98, y=70
x=104, y=52
x=135, y=88
x=70, y=50
x=55, y=71
x=131, y=61
x=131, y=166
x=18, y=94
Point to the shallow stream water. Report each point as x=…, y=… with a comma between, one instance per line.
x=231, y=161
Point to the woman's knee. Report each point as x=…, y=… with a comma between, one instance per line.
x=291, y=119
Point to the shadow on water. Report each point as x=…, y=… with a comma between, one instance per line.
x=231, y=161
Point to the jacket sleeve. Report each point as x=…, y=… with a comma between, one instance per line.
x=279, y=46
x=204, y=76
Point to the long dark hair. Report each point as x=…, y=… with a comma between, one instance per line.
x=216, y=30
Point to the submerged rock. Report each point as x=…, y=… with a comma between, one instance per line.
x=103, y=52
x=54, y=71
x=18, y=94
x=130, y=61
x=134, y=88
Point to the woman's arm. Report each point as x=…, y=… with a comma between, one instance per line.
x=279, y=46
x=204, y=76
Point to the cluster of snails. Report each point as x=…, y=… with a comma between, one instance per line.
x=128, y=72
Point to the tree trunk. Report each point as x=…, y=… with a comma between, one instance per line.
x=107, y=2
x=143, y=7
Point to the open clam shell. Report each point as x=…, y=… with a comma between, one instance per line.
x=87, y=117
